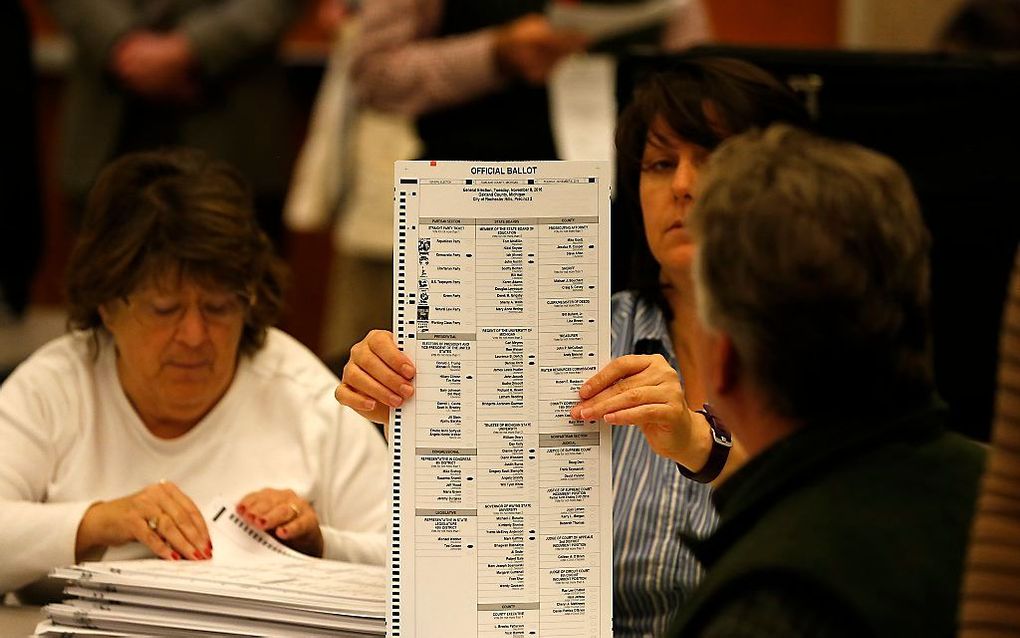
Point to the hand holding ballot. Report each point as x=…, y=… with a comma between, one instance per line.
x=378, y=376
x=639, y=390
x=645, y=391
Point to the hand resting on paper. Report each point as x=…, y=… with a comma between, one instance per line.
x=286, y=516
x=378, y=376
x=160, y=516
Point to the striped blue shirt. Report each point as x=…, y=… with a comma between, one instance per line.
x=653, y=571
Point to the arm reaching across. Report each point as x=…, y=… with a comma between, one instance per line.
x=529, y=48
x=402, y=65
x=157, y=66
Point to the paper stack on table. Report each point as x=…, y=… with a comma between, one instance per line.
x=253, y=587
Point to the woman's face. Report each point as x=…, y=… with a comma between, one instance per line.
x=669, y=170
x=177, y=347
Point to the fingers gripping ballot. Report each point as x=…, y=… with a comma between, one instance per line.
x=626, y=383
x=643, y=391
x=377, y=377
x=287, y=516
x=160, y=516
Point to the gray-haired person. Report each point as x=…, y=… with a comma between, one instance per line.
x=851, y=515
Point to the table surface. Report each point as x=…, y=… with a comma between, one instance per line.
x=17, y=622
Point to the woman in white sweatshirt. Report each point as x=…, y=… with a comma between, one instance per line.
x=173, y=390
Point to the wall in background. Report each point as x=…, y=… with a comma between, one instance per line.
x=909, y=25
x=793, y=23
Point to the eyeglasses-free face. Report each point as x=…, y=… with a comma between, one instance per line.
x=177, y=346
x=670, y=167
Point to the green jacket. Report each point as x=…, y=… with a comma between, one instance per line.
x=871, y=518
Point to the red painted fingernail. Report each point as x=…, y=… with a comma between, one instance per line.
x=262, y=521
x=208, y=554
x=281, y=532
x=175, y=556
x=240, y=509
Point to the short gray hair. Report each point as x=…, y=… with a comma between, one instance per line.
x=813, y=257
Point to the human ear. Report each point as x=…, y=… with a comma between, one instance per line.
x=106, y=313
x=724, y=364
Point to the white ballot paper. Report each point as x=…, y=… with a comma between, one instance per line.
x=238, y=542
x=502, y=505
x=582, y=107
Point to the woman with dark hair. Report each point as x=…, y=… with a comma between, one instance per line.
x=172, y=390
x=664, y=135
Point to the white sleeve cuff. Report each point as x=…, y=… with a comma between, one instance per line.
x=43, y=538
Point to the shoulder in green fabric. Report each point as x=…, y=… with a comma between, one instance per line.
x=884, y=533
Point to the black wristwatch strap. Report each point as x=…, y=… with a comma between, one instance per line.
x=722, y=442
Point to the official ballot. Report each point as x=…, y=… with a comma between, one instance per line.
x=502, y=504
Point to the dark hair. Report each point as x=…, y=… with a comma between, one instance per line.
x=983, y=25
x=741, y=95
x=813, y=257
x=173, y=212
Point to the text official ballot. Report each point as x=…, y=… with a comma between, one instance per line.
x=502, y=505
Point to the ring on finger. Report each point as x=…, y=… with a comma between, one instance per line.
x=295, y=509
x=152, y=522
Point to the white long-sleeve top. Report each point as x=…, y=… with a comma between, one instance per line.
x=69, y=437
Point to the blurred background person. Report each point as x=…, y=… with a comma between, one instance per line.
x=174, y=389
x=343, y=183
x=198, y=73
x=474, y=74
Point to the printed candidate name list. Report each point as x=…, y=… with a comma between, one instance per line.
x=502, y=504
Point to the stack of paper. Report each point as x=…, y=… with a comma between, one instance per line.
x=275, y=598
x=254, y=587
